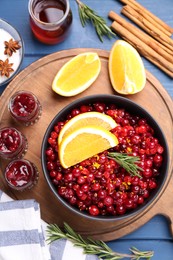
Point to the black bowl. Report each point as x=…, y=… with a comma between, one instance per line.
x=132, y=108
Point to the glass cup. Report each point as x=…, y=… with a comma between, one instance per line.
x=21, y=174
x=13, y=144
x=50, y=20
x=25, y=107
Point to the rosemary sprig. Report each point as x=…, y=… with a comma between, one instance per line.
x=90, y=246
x=86, y=15
x=129, y=163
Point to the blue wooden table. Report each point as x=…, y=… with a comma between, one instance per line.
x=155, y=234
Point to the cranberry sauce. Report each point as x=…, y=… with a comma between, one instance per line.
x=13, y=143
x=25, y=107
x=21, y=174
x=99, y=185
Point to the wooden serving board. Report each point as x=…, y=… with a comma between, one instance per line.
x=38, y=78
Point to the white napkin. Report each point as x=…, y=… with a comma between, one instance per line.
x=23, y=234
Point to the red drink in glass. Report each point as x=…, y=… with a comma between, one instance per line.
x=13, y=144
x=21, y=174
x=50, y=20
x=25, y=107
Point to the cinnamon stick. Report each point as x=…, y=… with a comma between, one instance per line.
x=143, y=49
x=151, y=21
x=134, y=3
x=154, y=32
x=158, y=47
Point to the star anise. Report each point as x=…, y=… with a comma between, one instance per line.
x=6, y=68
x=11, y=47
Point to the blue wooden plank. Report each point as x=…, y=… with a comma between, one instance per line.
x=156, y=228
x=163, y=249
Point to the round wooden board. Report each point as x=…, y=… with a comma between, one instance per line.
x=38, y=78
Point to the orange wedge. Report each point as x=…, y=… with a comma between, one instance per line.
x=89, y=118
x=77, y=74
x=83, y=143
x=126, y=69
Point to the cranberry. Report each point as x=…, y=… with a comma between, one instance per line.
x=152, y=184
x=108, y=201
x=121, y=209
x=85, y=109
x=147, y=173
x=90, y=177
x=157, y=159
x=53, y=173
x=160, y=149
x=50, y=166
x=58, y=176
x=96, y=187
x=128, y=203
x=99, y=107
x=73, y=200
x=118, y=182
x=81, y=180
x=140, y=200
x=58, y=127
x=102, y=194
x=135, y=189
x=93, y=210
x=76, y=172
x=68, y=177
x=85, y=187
x=148, y=163
x=110, y=209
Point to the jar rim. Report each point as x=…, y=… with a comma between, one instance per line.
x=30, y=3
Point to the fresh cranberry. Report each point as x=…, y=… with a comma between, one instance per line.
x=85, y=109
x=108, y=201
x=99, y=107
x=81, y=180
x=93, y=210
x=85, y=187
x=121, y=209
x=102, y=194
x=157, y=159
x=147, y=173
x=75, y=112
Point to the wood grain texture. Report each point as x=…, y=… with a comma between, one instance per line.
x=38, y=78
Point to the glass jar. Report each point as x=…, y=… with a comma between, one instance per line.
x=25, y=107
x=13, y=144
x=50, y=20
x=21, y=174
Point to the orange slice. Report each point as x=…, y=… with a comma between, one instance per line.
x=126, y=69
x=83, y=143
x=89, y=118
x=77, y=74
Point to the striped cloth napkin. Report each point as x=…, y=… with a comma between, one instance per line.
x=23, y=234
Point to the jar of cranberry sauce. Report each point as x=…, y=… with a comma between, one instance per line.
x=21, y=174
x=25, y=107
x=13, y=144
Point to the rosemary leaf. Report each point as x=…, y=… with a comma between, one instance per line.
x=86, y=15
x=93, y=247
x=128, y=162
x=82, y=17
